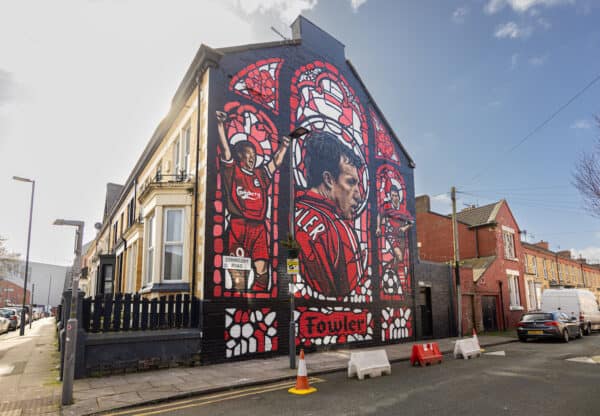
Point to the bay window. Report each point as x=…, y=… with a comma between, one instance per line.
x=149, y=249
x=173, y=244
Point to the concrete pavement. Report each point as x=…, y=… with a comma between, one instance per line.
x=94, y=395
x=28, y=374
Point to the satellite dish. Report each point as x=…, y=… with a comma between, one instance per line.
x=98, y=225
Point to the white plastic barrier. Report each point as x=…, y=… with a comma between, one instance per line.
x=372, y=363
x=467, y=348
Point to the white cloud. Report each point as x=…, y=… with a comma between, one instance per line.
x=494, y=6
x=287, y=10
x=511, y=30
x=537, y=60
x=7, y=87
x=591, y=254
x=521, y=6
x=460, y=14
x=582, y=124
x=514, y=61
x=356, y=4
x=441, y=203
x=544, y=23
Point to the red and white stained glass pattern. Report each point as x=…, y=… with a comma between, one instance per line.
x=321, y=99
x=395, y=273
x=332, y=325
x=396, y=323
x=250, y=331
x=245, y=122
x=384, y=146
x=259, y=82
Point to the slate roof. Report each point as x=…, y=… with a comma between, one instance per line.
x=480, y=215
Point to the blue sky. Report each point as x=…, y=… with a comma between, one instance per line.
x=461, y=82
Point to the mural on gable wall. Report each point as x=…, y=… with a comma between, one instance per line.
x=332, y=214
x=342, y=193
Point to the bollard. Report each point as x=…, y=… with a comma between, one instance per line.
x=69, y=366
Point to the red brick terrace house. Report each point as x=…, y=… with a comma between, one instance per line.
x=491, y=274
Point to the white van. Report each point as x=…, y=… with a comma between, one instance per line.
x=580, y=303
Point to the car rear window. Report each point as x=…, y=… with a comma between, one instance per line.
x=537, y=317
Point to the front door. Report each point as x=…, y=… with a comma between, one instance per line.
x=426, y=312
x=488, y=306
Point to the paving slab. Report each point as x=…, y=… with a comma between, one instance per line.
x=30, y=388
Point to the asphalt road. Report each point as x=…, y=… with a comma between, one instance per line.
x=532, y=379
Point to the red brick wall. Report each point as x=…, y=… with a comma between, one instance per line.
x=434, y=233
x=11, y=294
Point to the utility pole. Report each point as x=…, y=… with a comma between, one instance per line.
x=292, y=245
x=71, y=332
x=49, y=290
x=31, y=305
x=456, y=261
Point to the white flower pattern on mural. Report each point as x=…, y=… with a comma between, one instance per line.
x=250, y=331
x=396, y=323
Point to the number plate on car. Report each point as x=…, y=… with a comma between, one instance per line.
x=535, y=332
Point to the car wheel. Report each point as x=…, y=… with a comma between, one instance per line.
x=588, y=329
x=566, y=336
x=523, y=339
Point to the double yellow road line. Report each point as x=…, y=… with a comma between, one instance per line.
x=210, y=399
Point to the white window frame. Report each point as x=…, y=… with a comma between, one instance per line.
x=177, y=156
x=132, y=253
x=509, y=243
x=166, y=243
x=513, y=290
x=545, y=266
x=186, y=134
x=150, y=243
x=534, y=265
x=531, y=295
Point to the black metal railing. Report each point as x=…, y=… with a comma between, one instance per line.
x=131, y=312
x=180, y=176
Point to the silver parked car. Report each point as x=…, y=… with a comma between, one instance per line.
x=547, y=325
x=4, y=324
x=13, y=316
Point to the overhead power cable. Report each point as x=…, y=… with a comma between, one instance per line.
x=543, y=123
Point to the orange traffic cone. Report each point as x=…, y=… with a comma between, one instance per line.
x=477, y=339
x=302, y=386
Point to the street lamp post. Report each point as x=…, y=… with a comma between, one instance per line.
x=31, y=305
x=71, y=334
x=293, y=245
x=32, y=182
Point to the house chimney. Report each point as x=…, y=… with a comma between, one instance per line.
x=423, y=203
x=564, y=253
x=543, y=244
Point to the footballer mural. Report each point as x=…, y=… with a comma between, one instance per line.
x=350, y=213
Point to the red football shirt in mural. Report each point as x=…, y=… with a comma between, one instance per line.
x=330, y=258
x=246, y=190
x=246, y=193
x=394, y=219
